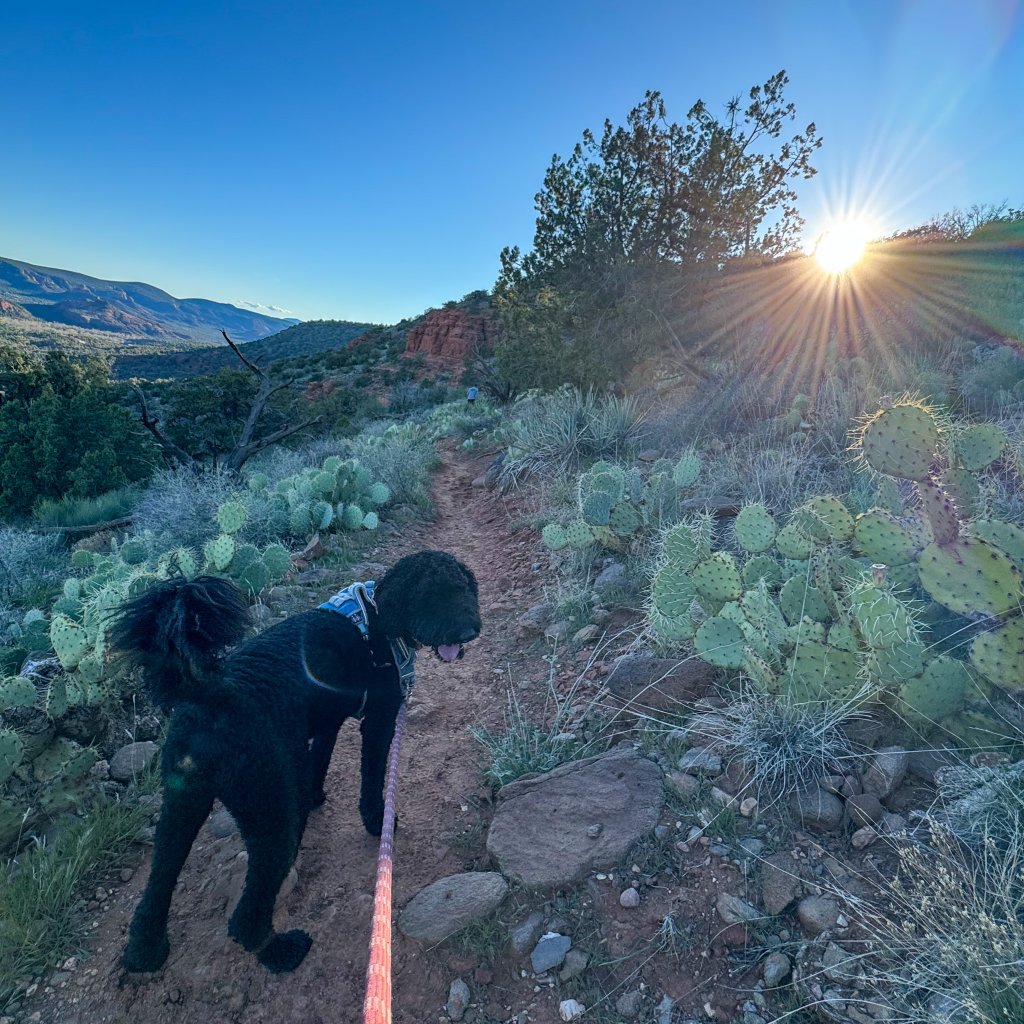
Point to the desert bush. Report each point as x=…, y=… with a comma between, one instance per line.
x=27, y=560
x=561, y=432
x=402, y=460
x=994, y=380
x=71, y=511
x=983, y=805
x=784, y=745
x=948, y=941
x=179, y=509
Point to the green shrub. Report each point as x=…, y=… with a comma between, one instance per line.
x=70, y=511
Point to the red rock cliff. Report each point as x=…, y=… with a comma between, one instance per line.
x=450, y=333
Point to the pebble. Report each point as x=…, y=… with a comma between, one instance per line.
x=748, y=807
x=863, y=837
x=661, y=831
x=126, y=874
x=458, y=999
x=629, y=1003
x=629, y=898
x=549, y=952
x=570, y=1009
x=663, y=1011
x=776, y=969
x=594, y=830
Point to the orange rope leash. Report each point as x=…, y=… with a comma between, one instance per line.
x=377, y=1004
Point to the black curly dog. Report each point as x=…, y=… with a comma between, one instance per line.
x=255, y=728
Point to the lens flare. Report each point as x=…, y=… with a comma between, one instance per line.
x=841, y=246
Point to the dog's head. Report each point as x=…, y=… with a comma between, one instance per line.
x=430, y=600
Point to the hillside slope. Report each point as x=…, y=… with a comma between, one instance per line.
x=132, y=308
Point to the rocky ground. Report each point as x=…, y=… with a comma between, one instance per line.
x=639, y=884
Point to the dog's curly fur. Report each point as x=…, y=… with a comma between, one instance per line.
x=256, y=727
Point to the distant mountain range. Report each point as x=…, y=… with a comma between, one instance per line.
x=134, y=310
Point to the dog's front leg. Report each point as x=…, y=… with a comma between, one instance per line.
x=378, y=729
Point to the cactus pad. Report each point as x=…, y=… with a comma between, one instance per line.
x=624, y=519
x=971, y=577
x=819, y=672
x=553, y=536
x=940, y=510
x=578, y=534
x=883, y=539
x=371, y=521
x=596, y=508
x=719, y=641
x=718, y=578
x=798, y=599
x=17, y=692
x=133, y=552
x=999, y=654
x=901, y=441
x=755, y=528
x=683, y=546
x=792, y=543
x=673, y=592
x=352, y=517
x=255, y=577
x=671, y=630
x=231, y=516
x=824, y=518
x=935, y=694
x=1005, y=536
x=379, y=494
x=278, y=560
x=56, y=697
x=11, y=750
x=979, y=445
x=762, y=567
x=686, y=470
x=219, y=551
x=70, y=640
x=300, y=519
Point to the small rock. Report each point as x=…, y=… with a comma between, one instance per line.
x=683, y=785
x=840, y=966
x=126, y=874
x=751, y=847
x=885, y=771
x=817, y=914
x=595, y=830
x=863, y=837
x=570, y=1009
x=894, y=822
x=458, y=999
x=628, y=1005
x=776, y=969
x=525, y=935
x=222, y=824
x=661, y=831
x=663, y=1011
x=629, y=898
x=558, y=630
x=817, y=809
x=536, y=618
x=612, y=577
x=575, y=963
x=549, y=952
x=727, y=800
x=864, y=809
x=700, y=761
x=131, y=759
x=586, y=635
x=450, y=904
x=733, y=910
x=748, y=807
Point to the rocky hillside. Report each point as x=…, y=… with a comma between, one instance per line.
x=130, y=308
x=452, y=333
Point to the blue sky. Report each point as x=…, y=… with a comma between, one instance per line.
x=367, y=160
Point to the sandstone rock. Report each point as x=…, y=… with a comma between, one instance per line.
x=780, y=882
x=450, y=904
x=733, y=910
x=540, y=831
x=817, y=809
x=658, y=683
x=550, y=952
x=451, y=333
x=534, y=619
x=776, y=969
x=864, y=809
x=700, y=761
x=817, y=914
x=885, y=771
x=682, y=783
x=132, y=759
x=458, y=999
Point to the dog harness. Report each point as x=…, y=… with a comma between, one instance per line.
x=352, y=603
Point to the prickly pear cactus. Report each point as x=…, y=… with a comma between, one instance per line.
x=755, y=528
x=231, y=516
x=901, y=441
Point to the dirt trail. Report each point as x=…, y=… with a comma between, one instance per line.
x=208, y=979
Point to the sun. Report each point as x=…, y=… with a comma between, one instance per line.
x=841, y=245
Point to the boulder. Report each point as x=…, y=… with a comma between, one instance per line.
x=658, y=683
x=541, y=833
x=814, y=808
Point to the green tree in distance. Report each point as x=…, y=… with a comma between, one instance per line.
x=635, y=225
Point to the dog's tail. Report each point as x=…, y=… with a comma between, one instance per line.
x=174, y=633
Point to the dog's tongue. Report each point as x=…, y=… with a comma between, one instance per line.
x=448, y=652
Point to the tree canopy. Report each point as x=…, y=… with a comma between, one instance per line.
x=633, y=226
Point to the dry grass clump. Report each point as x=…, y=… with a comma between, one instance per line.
x=949, y=945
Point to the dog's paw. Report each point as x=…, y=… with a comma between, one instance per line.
x=374, y=823
x=141, y=957
x=285, y=951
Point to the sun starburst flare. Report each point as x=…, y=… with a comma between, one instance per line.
x=841, y=246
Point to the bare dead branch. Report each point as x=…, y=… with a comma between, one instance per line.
x=171, y=452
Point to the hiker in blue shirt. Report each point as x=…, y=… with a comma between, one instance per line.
x=471, y=395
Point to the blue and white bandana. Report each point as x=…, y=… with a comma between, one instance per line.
x=351, y=602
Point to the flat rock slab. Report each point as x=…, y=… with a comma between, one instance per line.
x=542, y=831
x=658, y=683
x=132, y=759
x=450, y=904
